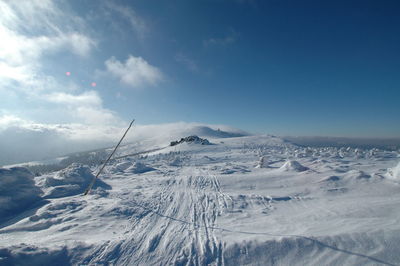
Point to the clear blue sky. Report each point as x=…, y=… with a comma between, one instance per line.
x=283, y=67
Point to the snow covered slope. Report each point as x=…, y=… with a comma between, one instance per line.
x=250, y=200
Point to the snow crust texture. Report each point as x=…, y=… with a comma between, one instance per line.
x=248, y=200
x=17, y=191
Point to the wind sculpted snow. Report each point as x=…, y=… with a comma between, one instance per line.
x=17, y=191
x=251, y=200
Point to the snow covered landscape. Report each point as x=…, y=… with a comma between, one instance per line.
x=235, y=199
x=261, y=132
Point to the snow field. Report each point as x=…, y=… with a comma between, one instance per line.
x=214, y=205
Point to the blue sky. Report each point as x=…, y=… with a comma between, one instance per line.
x=328, y=68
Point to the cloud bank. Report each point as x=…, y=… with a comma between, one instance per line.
x=30, y=32
x=30, y=141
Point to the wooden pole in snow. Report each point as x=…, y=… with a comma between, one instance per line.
x=104, y=165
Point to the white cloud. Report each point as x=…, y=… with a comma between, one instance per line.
x=28, y=141
x=135, y=72
x=17, y=49
x=80, y=44
x=31, y=29
x=135, y=21
x=90, y=98
x=70, y=131
x=8, y=120
x=230, y=38
x=9, y=72
x=187, y=62
x=85, y=108
x=96, y=116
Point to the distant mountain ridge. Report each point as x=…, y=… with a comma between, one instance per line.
x=316, y=141
x=217, y=133
x=21, y=144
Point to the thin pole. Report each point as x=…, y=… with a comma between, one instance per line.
x=104, y=165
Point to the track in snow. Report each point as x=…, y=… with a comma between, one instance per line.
x=176, y=226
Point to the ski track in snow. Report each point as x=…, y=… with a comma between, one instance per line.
x=179, y=223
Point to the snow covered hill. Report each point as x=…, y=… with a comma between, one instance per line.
x=244, y=200
x=43, y=144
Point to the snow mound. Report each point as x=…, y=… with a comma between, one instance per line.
x=177, y=161
x=394, y=173
x=191, y=139
x=263, y=162
x=71, y=181
x=139, y=168
x=293, y=166
x=32, y=255
x=357, y=174
x=234, y=169
x=17, y=191
x=121, y=167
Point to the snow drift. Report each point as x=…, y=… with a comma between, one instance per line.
x=17, y=191
x=293, y=166
x=394, y=173
x=263, y=162
x=72, y=180
x=139, y=168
